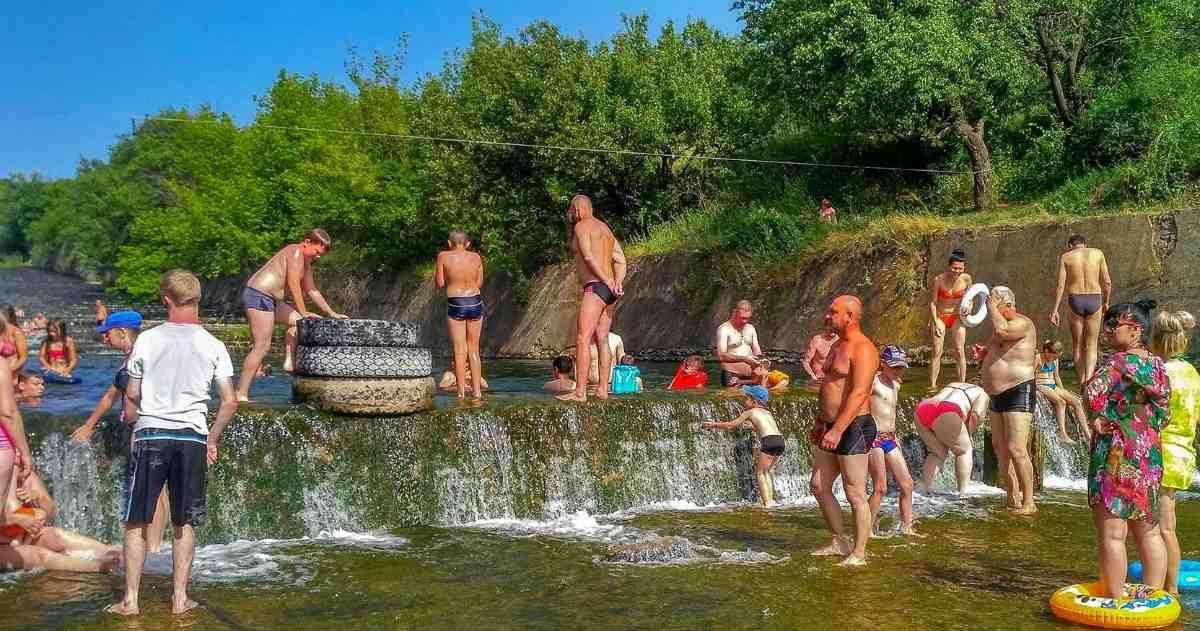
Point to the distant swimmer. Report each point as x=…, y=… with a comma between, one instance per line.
x=770, y=439
x=58, y=354
x=818, y=350
x=1008, y=371
x=563, y=381
x=600, y=267
x=737, y=347
x=275, y=294
x=945, y=422
x=885, y=451
x=945, y=293
x=845, y=431
x=460, y=272
x=1083, y=276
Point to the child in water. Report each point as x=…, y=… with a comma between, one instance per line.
x=885, y=453
x=626, y=377
x=58, y=350
x=689, y=375
x=1049, y=383
x=770, y=439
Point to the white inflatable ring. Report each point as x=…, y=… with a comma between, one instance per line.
x=972, y=315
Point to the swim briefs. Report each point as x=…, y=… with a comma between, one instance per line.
x=1019, y=398
x=465, y=308
x=729, y=380
x=1084, y=305
x=772, y=445
x=856, y=440
x=601, y=290
x=257, y=300
x=177, y=458
x=885, y=441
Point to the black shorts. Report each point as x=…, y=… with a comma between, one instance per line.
x=1019, y=398
x=177, y=458
x=857, y=440
x=771, y=445
x=728, y=379
x=465, y=309
x=601, y=290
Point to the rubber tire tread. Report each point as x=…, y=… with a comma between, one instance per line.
x=378, y=333
x=363, y=361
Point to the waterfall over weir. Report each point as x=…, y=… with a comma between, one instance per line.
x=294, y=472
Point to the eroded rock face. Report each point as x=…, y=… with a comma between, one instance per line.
x=674, y=303
x=377, y=397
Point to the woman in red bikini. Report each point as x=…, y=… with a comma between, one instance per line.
x=945, y=293
x=58, y=350
x=14, y=346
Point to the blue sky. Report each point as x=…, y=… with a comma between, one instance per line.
x=76, y=73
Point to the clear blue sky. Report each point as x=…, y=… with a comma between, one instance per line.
x=74, y=74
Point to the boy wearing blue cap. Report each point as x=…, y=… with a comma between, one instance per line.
x=885, y=452
x=770, y=439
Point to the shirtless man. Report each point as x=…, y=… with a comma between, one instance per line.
x=846, y=431
x=288, y=272
x=460, y=271
x=737, y=346
x=945, y=294
x=616, y=348
x=818, y=350
x=600, y=266
x=1083, y=275
x=1008, y=372
x=885, y=452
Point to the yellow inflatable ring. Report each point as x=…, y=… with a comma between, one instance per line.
x=1142, y=607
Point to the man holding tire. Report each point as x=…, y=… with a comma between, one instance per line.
x=288, y=272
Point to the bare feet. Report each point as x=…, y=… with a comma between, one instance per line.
x=1065, y=439
x=183, y=607
x=243, y=398
x=910, y=531
x=771, y=505
x=853, y=561
x=571, y=396
x=601, y=395
x=837, y=548
x=1025, y=510
x=122, y=609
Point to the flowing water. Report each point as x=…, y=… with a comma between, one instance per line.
x=526, y=513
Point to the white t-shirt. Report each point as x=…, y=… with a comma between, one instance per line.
x=177, y=364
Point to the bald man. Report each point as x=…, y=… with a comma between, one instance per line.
x=600, y=267
x=846, y=430
x=460, y=272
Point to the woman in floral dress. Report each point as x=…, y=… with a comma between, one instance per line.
x=1130, y=398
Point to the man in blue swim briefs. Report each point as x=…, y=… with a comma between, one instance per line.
x=600, y=267
x=845, y=430
x=1083, y=276
x=460, y=272
x=885, y=452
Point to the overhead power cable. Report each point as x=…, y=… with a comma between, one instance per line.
x=625, y=152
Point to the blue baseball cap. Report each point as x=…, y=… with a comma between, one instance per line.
x=758, y=393
x=120, y=320
x=893, y=356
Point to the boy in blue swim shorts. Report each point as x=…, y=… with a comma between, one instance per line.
x=885, y=452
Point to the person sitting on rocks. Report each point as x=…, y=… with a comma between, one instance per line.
x=689, y=375
x=564, y=367
x=27, y=543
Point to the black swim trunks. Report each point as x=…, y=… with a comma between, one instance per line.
x=772, y=445
x=601, y=290
x=177, y=458
x=465, y=309
x=1019, y=398
x=857, y=440
x=1084, y=305
x=729, y=380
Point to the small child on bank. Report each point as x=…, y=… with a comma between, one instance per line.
x=689, y=375
x=770, y=439
x=1049, y=383
x=886, y=453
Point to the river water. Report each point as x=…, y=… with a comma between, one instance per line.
x=524, y=513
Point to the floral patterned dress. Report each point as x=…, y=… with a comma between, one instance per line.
x=1133, y=395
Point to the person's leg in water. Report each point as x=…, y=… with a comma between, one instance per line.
x=1004, y=471
x=591, y=307
x=955, y=434
x=895, y=462
x=474, y=332
x=135, y=560
x=1110, y=546
x=1016, y=425
x=825, y=471
x=605, y=360
x=1060, y=412
x=938, y=343
x=763, y=462
x=30, y=557
x=458, y=337
x=854, y=482
x=1076, y=404
x=1091, y=336
x=183, y=550
x=65, y=542
x=877, y=470
x=935, y=455
x=960, y=350
x=287, y=316
x=1166, y=525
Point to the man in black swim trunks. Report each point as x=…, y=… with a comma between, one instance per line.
x=1008, y=372
x=1083, y=276
x=845, y=431
x=600, y=267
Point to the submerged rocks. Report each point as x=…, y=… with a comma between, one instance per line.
x=362, y=367
x=658, y=550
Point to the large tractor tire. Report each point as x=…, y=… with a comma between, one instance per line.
x=365, y=397
x=363, y=361
x=334, y=332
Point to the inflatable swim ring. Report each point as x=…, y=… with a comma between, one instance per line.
x=1143, y=607
x=974, y=314
x=50, y=376
x=1189, y=574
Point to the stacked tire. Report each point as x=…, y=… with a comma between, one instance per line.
x=362, y=367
